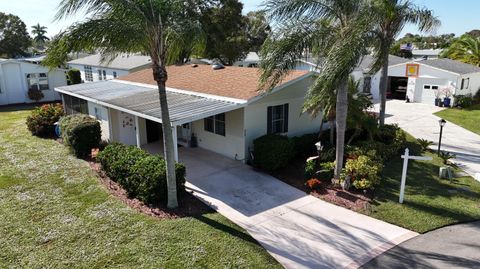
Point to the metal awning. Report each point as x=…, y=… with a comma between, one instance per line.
x=143, y=101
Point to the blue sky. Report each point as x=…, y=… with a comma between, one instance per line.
x=457, y=16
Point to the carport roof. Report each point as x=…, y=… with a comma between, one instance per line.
x=143, y=101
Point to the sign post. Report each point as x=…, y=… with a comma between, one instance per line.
x=405, y=158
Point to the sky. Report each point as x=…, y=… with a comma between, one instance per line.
x=457, y=16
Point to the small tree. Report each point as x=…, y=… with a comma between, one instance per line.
x=74, y=77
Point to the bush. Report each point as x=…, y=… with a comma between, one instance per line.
x=35, y=94
x=463, y=101
x=424, y=144
x=81, y=133
x=74, y=77
x=363, y=172
x=273, y=151
x=142, y=175
x=310, y=169
x=304, y=146
x=42, y=119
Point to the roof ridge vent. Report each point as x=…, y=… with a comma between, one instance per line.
x=217, y=66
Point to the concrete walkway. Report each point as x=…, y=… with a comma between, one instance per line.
x=456, y=246
x=418, y=120
x=299, y=230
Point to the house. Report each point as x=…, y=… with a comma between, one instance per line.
x=421, y=81
x=426, y=53
x=93, y=69
x=219, y=110
x=17, y=76
x=251, y=60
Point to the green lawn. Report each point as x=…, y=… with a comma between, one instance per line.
x=468, y=118
x=429, y=202
x=55, y=214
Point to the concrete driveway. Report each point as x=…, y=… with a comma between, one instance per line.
x=299, y=230
x=456, y=246
x=418, y=120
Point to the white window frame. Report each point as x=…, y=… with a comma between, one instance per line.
x=88, y=73
x=37, y=80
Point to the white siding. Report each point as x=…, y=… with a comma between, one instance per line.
x=109, y=72
x=230, y=145
x=474, y=84
x=13, y=82
x=298, y=123
x=101, y=113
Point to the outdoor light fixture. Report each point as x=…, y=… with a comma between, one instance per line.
x=442, y=123
x=319, y=147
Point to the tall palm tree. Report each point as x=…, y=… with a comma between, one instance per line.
x=392, y=17
x=466, y=49
x=337, y=30
x=38, y=33
x=161, y=29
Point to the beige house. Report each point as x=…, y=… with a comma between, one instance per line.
x=218, y=110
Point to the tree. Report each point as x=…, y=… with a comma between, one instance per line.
x=160, y=29
x=257, y=30
x=14, y=38
x=39, y=36
x=224, y=26
x=393, y=15
x=335, y=29
x=466, y=49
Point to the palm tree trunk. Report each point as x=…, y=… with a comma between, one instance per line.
x=160, y=76
x=341, y=116
x=383, y=86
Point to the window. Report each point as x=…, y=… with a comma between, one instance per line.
x=88, y=73
x=277, y=119
x=74, y=105
x=367, y=82
x=114, y=74
x=99, y=74
x=215, y=124
x=465, y=83
x=37, y=81
x=104, y=75
x=430, y=87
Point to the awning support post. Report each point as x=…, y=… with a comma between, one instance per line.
x=137, y=132
x=175, y=142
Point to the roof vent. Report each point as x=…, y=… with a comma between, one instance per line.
x=194, y=65
x=217, y=66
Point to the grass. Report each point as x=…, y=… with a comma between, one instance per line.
x=56, y=214
x=429, y=202
x=468, y=118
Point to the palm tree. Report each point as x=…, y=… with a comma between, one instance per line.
x=161, y=29
x=39, y=36
x=337, y=30
x=392, y=17
x=466, y=49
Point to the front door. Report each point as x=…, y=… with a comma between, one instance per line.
x=127, y=133
x=184, y=134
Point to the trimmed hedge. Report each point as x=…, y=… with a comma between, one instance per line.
x=142, y=175
x=81, y=133
x=42, y=119
x=273, y=151
x=304, y=146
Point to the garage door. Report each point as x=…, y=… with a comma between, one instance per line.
x=427, y=94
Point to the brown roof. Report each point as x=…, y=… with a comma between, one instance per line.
x=233, y=82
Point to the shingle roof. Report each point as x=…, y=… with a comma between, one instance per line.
x=144, y=100
x=452, y=66
x=124, y=62
x=234, y=82
x=367, y=62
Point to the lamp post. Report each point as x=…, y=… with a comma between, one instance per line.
x=442, y=123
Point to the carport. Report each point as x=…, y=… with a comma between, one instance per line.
x=131, y=106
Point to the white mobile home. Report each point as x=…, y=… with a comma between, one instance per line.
x=221, y=110
x=92, y=68
x=18, y=76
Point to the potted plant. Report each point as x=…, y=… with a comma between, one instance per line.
x=447, y=92
x=438, y=97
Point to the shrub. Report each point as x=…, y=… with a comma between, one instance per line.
x=273, y=151
x=463, y=101
x=363, y=172
x=35, y=94
x=313, y=184
x=310, y=169
x=142, y=175
x=326, y=170
x=42, y=119
x=425, y=144
x=304, y=146
x=81, y=133
x=74, y=77
x=446, y=156
x=328, y=154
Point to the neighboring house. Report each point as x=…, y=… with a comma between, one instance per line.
x=251, y=60
x=17, y=76
x=93, y=69
x=426, y=53
x=421, y=81
x=221, y=110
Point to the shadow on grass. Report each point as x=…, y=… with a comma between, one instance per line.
x=227, y=229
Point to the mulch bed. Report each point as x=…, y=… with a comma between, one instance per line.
x=352, y=199
x=189, y=205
